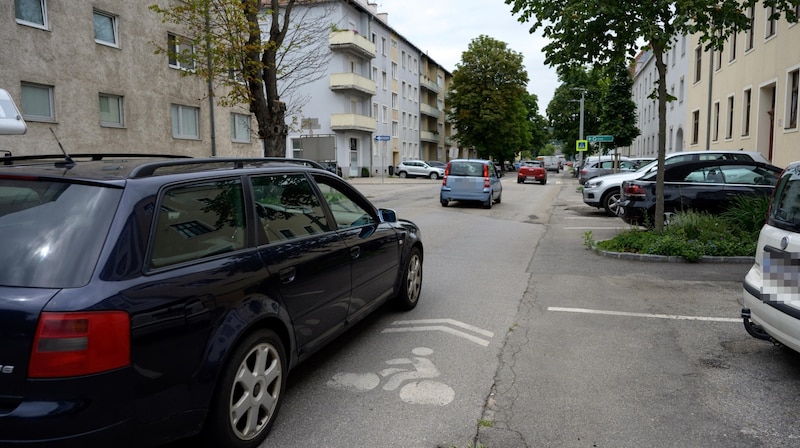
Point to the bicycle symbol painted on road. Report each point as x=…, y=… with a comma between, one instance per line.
x=410, y=375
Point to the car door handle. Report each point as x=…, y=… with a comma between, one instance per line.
x=287, y=275
x=355, y=252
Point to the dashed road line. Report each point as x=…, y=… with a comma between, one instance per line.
x=407, y=326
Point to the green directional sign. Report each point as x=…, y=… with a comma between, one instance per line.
x=600, y=138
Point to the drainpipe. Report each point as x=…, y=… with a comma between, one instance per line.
x=210, y=86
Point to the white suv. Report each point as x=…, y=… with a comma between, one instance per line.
x=604, y=191
x=771, y=296
x=418, y=168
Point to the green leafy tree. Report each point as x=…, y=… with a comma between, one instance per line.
x=256, y=51
x=486, y=100
x=581, y=32
x=617, y=110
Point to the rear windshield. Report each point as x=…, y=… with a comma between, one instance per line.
x=469, y=169
x=784, y=212
x=52, y=232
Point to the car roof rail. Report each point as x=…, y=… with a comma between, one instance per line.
x=214, y=163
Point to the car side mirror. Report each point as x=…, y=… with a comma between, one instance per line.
x=387, y=215
x=11, y=122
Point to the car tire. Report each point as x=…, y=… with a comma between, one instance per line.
x=243, y=390
x=434, y=176
x=444, y=202
x=520, y=180
x=402, y=174
x=499, y=198
x=411, y=284
x=544, y=181
x=610, y=201
x=489, y=202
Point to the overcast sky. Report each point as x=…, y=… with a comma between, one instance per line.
x=444, y=28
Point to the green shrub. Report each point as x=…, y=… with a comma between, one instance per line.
x=747, y=213
x=690, y=235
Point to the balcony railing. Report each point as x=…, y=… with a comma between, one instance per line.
x=428, y=136
x=350, y=41
x=353, y=83
x=429, y=110
x=429, y=84
x=353, y=122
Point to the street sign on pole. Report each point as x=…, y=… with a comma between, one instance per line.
x=600, y=138
x=580, y=145
x=382, y=138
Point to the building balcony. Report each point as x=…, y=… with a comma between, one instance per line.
x=428, y=110
x=429, y=84
x=428, y=136
x=353, y=122
x=352, y=83
x=351, y=42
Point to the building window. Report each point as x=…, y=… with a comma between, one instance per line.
x=746, y=119
x=403, y=90
x=698, y=63
x=695, y=126
x=385, y=114
x=718, y=54
x=384, y=81
x=793, y=87
x=240, y=128
x=680, y=92
x=383, y=46
x=111, y=111
x=394, y=100
x=181, y=52
x=734, y=37
x=37, y=102
x=375, y=111
x=729, y=131
x=185, y=122
x=750, y=40
x=394, y=128
x=394, y=70
x=375, y=74
x=715, y=135
x=31, y=12
x=403, y=58
x=772, y=23
x=105, y=29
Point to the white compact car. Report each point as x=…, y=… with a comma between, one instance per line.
x=771, y=296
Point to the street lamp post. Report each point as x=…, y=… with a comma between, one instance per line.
x=580, y=128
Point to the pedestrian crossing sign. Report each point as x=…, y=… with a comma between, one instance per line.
x=581, y=145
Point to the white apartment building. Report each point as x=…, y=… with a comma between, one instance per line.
x=381, y=100
x=644, y=84
x=87, y=72
x=751, y=87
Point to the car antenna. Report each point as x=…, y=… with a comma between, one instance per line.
x=67, y=158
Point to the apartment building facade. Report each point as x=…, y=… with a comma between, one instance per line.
x=644, y=84
x=746, y=96
x=87, y=73
x=380, y=102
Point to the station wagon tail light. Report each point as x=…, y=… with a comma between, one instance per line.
x=486, y=182
x=75, y=344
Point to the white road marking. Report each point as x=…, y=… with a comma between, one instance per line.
x=658, y=316
x=407, y=326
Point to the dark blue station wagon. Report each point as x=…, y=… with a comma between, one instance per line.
x=146, y=299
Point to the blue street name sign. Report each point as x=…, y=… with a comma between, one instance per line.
x=382, y=138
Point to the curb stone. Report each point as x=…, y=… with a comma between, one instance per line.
x=671, y=258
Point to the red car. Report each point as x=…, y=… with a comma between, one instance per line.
x=532, y=170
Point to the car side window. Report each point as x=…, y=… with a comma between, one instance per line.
x=287, y=207
x=345, y=207
x=748, y=175
x=199, y=220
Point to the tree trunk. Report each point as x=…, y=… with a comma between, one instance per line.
x=661, y=68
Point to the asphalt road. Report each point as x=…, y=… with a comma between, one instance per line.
x=524, y=338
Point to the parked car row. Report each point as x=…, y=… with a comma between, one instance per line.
x=710, y=181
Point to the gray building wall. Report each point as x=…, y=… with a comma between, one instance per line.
x=64, y=55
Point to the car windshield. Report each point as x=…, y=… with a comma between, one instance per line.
x=52, y=232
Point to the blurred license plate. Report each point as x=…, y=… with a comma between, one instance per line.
x=781, y=276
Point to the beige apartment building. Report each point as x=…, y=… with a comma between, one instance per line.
x=746, y=96
x=87, y=72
